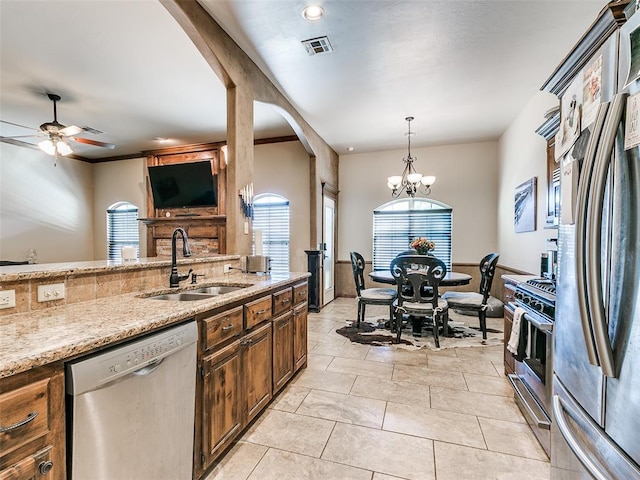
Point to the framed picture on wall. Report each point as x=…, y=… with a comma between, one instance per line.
x=524, y=213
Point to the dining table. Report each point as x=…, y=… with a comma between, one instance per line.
x=451, y=279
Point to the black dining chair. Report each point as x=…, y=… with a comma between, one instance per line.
x=422, y=274
x=369, y=296
x=477, y=301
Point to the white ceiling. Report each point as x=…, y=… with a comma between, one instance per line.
x=464, y=69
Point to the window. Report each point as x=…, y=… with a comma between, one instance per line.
x=122, y=229
x=271, y=216
x=397, y=223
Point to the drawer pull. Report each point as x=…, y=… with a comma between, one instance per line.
x=285, y=301
x=29, y=418
x=302, y=292
x=260, y=312
x=45, y=467
x=228, y=327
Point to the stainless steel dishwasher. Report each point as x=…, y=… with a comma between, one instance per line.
x=132, y=409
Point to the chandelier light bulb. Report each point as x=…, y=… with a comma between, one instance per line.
x=47, y=146
x=63, y=148
x=428, y=180
x=414, y=177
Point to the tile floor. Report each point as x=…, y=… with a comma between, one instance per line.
x=379, y=413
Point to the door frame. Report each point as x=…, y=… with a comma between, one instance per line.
x=330, y=192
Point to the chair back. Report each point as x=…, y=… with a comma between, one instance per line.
x=417, y=278
x=487, y=271
x=357, y=265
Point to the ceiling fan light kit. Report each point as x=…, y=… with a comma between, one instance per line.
x=55, y=144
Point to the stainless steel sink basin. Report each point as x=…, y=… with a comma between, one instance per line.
x=216, y=290
x=182, y=297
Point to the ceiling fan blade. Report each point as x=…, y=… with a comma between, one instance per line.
x=70, y=130
x=95, y=143
x=18, y=125
x=22, y=136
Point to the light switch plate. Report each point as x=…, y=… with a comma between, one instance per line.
x=7, y=299
x=49, y=293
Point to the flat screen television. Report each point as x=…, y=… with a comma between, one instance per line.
x=183, y=185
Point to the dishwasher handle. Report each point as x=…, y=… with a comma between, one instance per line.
x=151, y=367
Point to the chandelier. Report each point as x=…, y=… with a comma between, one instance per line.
x=410, y=182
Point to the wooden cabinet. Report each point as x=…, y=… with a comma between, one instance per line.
x=300, y=311
x=300, y=337
x=221, y=403
x=257, y=370
x=509, y=361
x=32, y=440
x=282, y=350
x=245, y=356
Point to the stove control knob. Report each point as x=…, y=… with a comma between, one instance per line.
x=538, y=306
x=518, y=295
x=527, y=300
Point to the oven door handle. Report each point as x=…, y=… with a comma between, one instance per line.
x=542, y=326
x=581, y=224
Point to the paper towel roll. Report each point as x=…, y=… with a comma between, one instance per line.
x=258, y=241
x=128, y=253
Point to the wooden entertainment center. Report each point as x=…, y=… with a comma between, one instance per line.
x=205, y=226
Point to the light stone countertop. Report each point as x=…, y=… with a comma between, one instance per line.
x=10, y=273
x=41, y=337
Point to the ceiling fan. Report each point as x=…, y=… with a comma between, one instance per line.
x=57, y=134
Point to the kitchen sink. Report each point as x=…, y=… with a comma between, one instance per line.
x=216, y=290
x=182, y=297
x=197, y=293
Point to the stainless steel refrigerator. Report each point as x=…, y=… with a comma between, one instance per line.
x=596, y=385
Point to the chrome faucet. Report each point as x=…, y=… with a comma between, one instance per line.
x=175, y=278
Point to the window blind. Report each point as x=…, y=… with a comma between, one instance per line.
x=122, y=230
x=393, y=231
x=271, y=216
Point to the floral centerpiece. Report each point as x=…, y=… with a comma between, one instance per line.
x=422, y=245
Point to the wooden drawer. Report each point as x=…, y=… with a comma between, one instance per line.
x=26, y=410
x=34, y=466
x=282, y=301
x=223, y=326
x=300, y=293
x=257, y=312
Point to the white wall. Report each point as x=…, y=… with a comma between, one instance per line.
x=522, y=156
x=46, y=207
x=118, y=181
x=283, y=168
x=467, y=180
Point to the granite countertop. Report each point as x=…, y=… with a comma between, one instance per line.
x=45, y=270
x=40, y=337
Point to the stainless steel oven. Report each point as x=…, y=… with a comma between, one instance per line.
x=533, y=377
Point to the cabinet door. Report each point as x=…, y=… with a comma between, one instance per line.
x=282, y=350
x=300, y=337
x=257, y=370
x=221, y=405
x=509, y=361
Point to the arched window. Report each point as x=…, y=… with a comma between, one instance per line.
x=122, y=229
x=397, y=223
x=271, y=216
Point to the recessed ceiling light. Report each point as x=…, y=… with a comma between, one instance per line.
x=312, y=12
x=161, y=139
x=350, y=149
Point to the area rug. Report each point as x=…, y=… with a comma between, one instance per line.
x=464, y=334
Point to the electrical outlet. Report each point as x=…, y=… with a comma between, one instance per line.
x=7, y=298
x=246, y=227
x=48, y=293
x=227, y=268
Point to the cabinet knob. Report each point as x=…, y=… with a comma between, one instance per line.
x=45, y=467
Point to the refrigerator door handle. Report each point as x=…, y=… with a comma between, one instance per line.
x=581, y=220
x=572, y=440
x=593, y=250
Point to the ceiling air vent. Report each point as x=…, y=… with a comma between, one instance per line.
x=318, y=45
